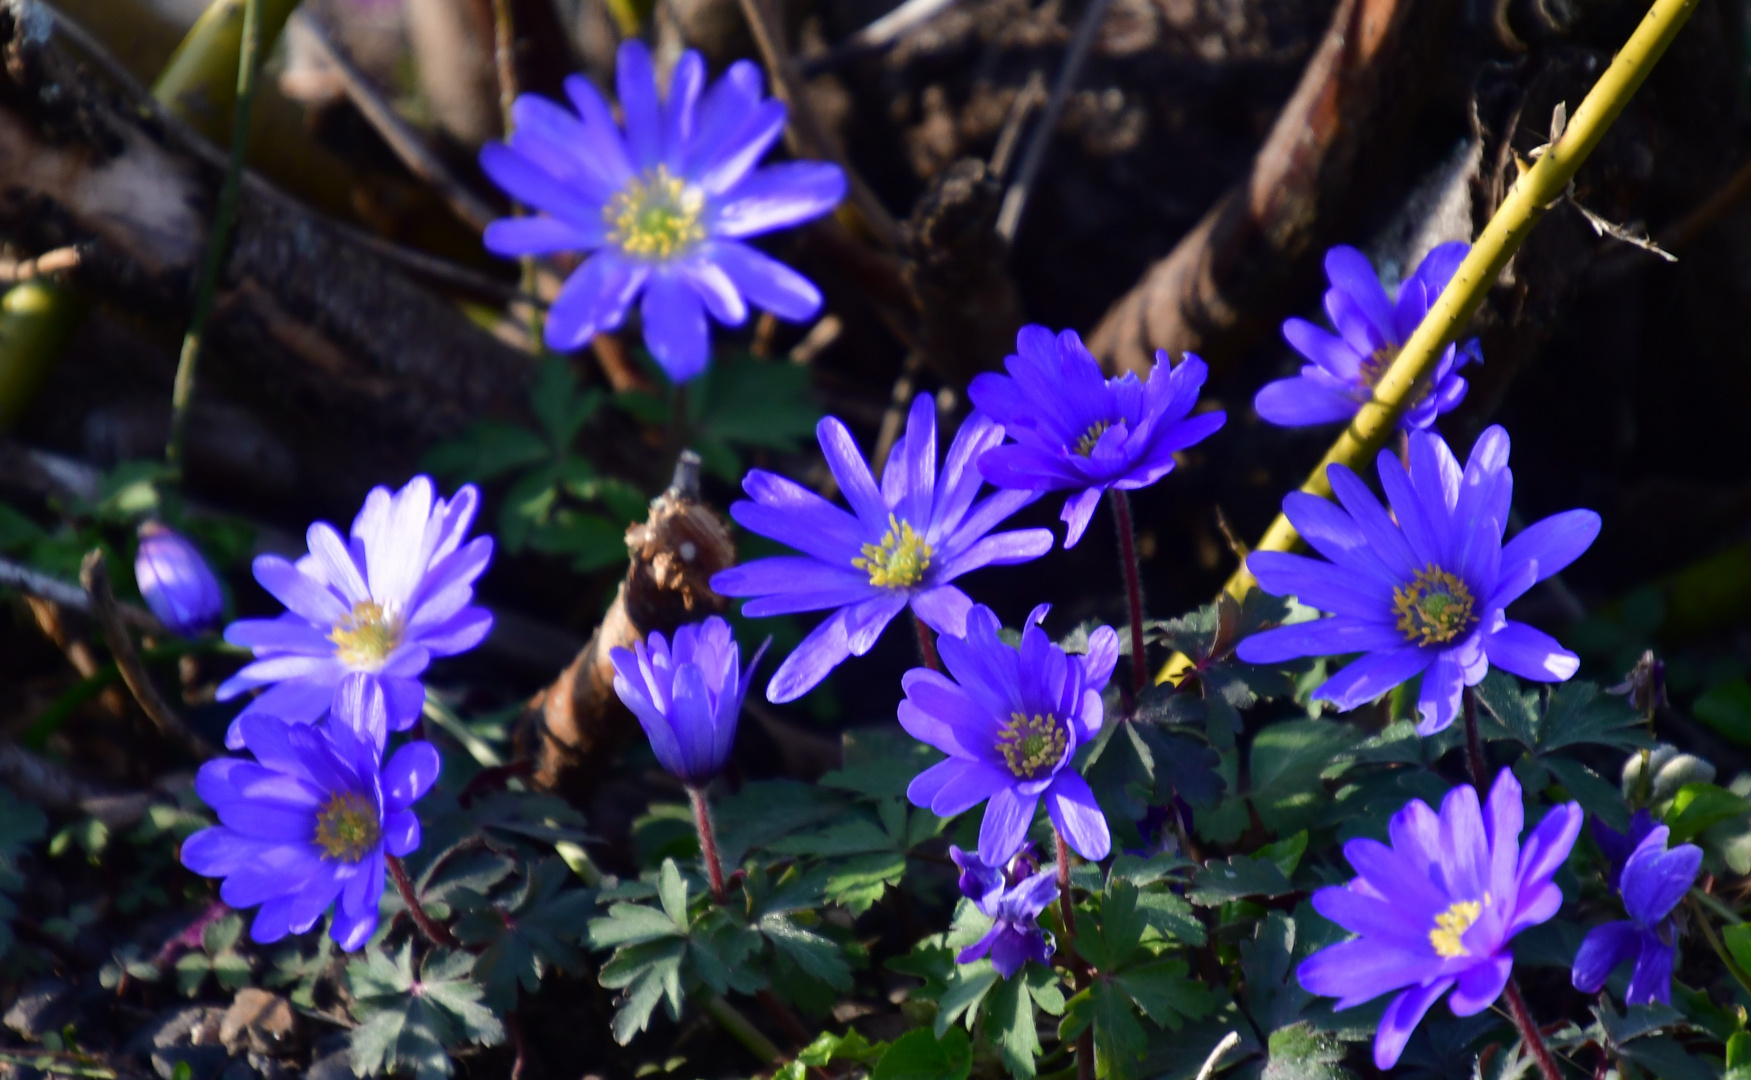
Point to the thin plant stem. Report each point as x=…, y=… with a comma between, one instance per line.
x=1078, y=969
x=1529, y=1032
x=741, y=1029
x=504, y=36
x=1066, y=907
x=1133, y=587
x=224, y=217
x=1474, y=744
x=1733, y=966
x=436, y=932
x=708, y=843
x=926, y=644
x=1713, y=903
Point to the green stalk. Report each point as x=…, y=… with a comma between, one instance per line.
x=199, y=83
x=1537, y=190
x=248, y=68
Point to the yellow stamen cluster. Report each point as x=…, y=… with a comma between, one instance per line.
x=899, y=561
x=1434, y=608
x=1451, y=925
x=1031, y=744
x=347, y=828
x=367, y=636
x=1091, y=438
x=1374, y=365
x=655, y=216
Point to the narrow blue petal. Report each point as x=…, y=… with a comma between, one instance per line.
x=1604, y=948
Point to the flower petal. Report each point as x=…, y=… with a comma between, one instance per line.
x=1070, y=802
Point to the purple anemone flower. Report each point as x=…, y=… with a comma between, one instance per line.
x=176, y=582
x=688, y=697
x=1077, y=431
x=1371, y=329
x=307, y=823
x=1436, y=909
x=1651, y=881
x=1425, y=593
x=663, y=208
x=1013, y=903
x=1010, y=721
x=368, y=613
x=903, y=543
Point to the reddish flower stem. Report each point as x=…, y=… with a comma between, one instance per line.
x=1078, y=970
x=708, y=843
x=1474, y=744
x=1529, y=1032
x=436, y=932
x=926, y=644
x=1133, y=587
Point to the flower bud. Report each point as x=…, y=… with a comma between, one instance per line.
x=175, y=582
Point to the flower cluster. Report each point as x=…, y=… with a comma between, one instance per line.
x=316, y=816
x=1436, y=909
x=663, y=207
x=1012, y=899
x=1371, y=329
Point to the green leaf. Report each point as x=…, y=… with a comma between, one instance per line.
x=672, y=891
x=1009, y=1021
x=1299, y=1052
x=817, y=956
x=220, y=934
x=920, y=1055
x=1578, y=714
x=649, y=974
x=632, y=924
x=965, y=988
x=1240, y=875
x=487, y=449
x=1726, y=707
x=527, y=934
x=1737, y=938
x=850, y=1048
x=752, y=402
x=1698, y=806
x=1119, y=1039
x=1165, y=994
x=1114, y=939
x=409, y=1025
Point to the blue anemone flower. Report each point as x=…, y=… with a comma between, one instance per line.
x=1010, y=721
x=663, y=208
x=176, y=582
x=1421, y=591
x=1435, y=910
x=1078, y=431
x=367, y=613
x=1013, y=904
x=1652, y=881
x=687, y=697
x=1371, y=329
x=903, y=543
x=307, y=824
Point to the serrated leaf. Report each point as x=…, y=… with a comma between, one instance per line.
x=1238, y=876
x=1698, y=806
x=920, y=1055
x=1009, y=1022
x=409, y=1025
x=1164, y=993
x=1119, y=1039
x=965, y=988
x=631, y=924
x=530, y=934
x=817, y=956
x=1299, y=1052
x=649, y=974
x=672, y=891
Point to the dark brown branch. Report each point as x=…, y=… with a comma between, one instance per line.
x=1223, y=280
x=54, y=590
x=54, y=788
x=94, y=574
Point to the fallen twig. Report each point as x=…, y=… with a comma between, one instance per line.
x=1015, y=199
x=95, y=576
x=53, y=589
x=50, y=786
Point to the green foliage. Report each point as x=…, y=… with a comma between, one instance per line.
x=740, y=402
x=525, y=934
x=557, y=501
x=217, y=957
x=1207, y=638
x=410, y=1024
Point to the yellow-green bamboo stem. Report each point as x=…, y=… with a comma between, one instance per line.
x=199, y=82
x=1536, y=191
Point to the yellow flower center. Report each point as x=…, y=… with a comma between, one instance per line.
x=1374, y=365
x=1451, y=925
x=1031, y=744
x=655, y=216
x=347, y=828
x=366, y=637
x=1434, y=608
x=1091, y=438
x=899, y=561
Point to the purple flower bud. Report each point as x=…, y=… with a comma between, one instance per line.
x=175, y=581
x=687, y=696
